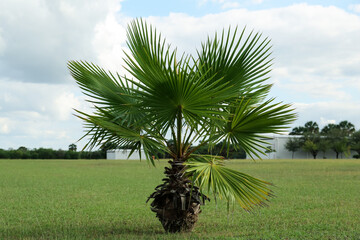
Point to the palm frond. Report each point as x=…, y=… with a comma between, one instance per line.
x=209, y=173
x=103, y=129
x=249, y=122
x=169, y=85
x=240, y=62
x=106, y=90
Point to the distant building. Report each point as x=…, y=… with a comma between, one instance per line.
x=123, y=154
x=278, y=142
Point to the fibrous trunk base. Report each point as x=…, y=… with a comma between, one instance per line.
x=175, y=220
x=177, y=202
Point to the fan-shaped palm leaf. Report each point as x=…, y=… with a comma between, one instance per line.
x=209, y=172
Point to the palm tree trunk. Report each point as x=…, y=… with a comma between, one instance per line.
x=177, y=202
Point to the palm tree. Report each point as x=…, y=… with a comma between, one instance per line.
x=355, y=142
x=328, y=128
x=311, y=147
x=292, y=145
x=297, y=131
x=339, y=136
x=217, y=95
x=347, y=128
x=311, y=128
x=72, y=147
x=324, y=144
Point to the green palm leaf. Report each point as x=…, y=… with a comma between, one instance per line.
x=248, y=122
x=168, y=85
x=241, y=63
x=104, y=130
x=209, y=172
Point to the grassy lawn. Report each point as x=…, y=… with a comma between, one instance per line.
x=63, y=199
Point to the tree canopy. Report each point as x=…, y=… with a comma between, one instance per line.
x=340, y=138
x=218, y=95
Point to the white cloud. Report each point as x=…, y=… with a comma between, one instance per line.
x=308, y=40
x=328, y=112
x=109, y=40
x=355, y=8
x=39, y=114
x=4, y=126
x=315, y=87
x=34, y=130
x=41, y=36
x=54, y=100
x=324, y=121
x=316, y=53
x=2, y=43
x=64, y=105
x=37, y=38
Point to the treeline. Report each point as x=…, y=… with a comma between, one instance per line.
x=218, y=149
x=48, y=153
x=340, y=138
x=72, y=153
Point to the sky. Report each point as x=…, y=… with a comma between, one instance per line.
x=316, y=50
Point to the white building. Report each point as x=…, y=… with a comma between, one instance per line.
x=123, y=154
x=278, y=142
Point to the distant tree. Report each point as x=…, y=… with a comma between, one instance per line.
x=72, y=147
x=45, y=153
x=328, y=128
x=233, y=153
x=311, y=147
x=311, y=128
x=338, y=141
x=293, y=145
x=14, y=154
x=59, y=154
x=23, y=153
x=338, y=136
x=297, y=131
x=355, y=142
x=340, y=147
x=22, y=148
x=4, y=154
x=324, y=145
x=48, y=153
x=221, y=150
x=346, y=127
x=34, y=154
x=72, y=155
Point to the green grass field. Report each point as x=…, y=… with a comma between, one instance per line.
x=63, y=199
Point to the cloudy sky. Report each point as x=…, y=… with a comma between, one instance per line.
x=316, y=46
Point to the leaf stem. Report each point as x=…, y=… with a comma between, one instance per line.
x=179, y=126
